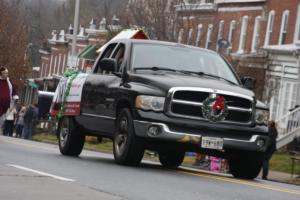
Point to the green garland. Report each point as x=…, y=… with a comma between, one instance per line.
x=71, y=75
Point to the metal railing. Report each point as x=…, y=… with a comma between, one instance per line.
x=288, y=127
x=205, y=5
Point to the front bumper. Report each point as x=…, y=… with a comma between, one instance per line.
x=252, y=143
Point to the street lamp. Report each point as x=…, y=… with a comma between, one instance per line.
x=74, y=40
x=298, y=85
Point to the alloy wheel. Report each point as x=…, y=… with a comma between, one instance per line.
x=121, y=138
x=64, y=132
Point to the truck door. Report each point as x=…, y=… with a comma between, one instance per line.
x=99, y=94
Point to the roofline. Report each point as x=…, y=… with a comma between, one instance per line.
x=162, y=43
x=239, y=1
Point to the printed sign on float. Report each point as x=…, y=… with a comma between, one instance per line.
x=72, y=104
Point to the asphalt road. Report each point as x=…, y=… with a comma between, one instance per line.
x=35, y=171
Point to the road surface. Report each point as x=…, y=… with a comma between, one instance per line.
x=34, y=171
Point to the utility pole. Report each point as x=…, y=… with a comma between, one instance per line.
x=298, y=85
x=74, y=41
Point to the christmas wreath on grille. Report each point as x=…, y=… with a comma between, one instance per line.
x=215, y=109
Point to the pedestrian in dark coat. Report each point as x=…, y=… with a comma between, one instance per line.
x=30, y=118
x=270, y=149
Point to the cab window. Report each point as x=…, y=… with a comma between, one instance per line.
x=106, y=54
x=118, y=55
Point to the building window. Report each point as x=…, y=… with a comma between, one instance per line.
x=59, y=64
x=243, y=34
x=55, y=65
x=220, y=32
x=255, y=38
x=284, y=27
x=198, y=37
x=269, y=27
x=297, y=29
x=190, y=36
x=42, y=70
x=50, y=66
x=64, y=64
x=45, y=70
x=231, y=32
x=208, y=36
x=180, y=35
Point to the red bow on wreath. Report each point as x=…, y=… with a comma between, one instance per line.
x=219, y=104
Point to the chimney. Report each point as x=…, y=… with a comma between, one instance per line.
x=115, y=20
x=103, y=24
x=54, y=35
x=92, y=24
x=62, y=36
x=71, y=29
x=81, y=32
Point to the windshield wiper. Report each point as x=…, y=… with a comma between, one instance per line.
x=155, y=68
x=205, y=74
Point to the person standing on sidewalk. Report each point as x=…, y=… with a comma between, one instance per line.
x=270, y=149
x=8, y=94
x=30, y=119
x=9, y=121
x=20, y=122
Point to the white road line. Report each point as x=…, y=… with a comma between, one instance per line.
x=41, y=173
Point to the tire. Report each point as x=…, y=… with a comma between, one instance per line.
x=127, y=148
x=247, y=165
x=70, y=141
x=171, y=159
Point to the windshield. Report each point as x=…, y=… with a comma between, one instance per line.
x=180, y=58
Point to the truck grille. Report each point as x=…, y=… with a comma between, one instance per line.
x=188, y=102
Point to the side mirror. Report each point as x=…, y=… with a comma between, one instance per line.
x=248, y=82
x=108, y=65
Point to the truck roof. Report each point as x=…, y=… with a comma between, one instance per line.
x=160, y=43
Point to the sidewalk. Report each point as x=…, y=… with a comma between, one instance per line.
x=283, y=177
x=278, y=176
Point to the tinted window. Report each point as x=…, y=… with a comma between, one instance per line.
x=119, y=55
x=106, y=54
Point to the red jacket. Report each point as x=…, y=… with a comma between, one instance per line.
x=5, y=97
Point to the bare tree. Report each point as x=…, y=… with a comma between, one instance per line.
x=157, y=17
x=13, y=43
x=162, y=19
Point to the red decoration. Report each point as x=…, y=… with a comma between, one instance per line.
x=88, y=65
x=219, y=104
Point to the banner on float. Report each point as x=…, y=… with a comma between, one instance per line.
x=72, y=104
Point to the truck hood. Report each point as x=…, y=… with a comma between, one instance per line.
x=165, y=81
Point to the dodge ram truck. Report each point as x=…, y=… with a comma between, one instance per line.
x=169, y=98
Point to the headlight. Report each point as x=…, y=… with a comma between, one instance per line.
x=261, y=116
x=150, y=103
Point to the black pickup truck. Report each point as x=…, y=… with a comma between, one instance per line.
x=169, y=98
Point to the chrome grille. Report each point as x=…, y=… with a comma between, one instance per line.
x=187, y=103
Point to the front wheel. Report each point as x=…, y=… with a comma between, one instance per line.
x=247, y=165
x=171, y=159
x=70, y=141
x=127, y=148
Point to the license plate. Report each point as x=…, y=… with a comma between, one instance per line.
x=212, y=143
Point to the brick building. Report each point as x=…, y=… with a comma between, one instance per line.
x=56, y=55
x=264, y=38
x=55, y=60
